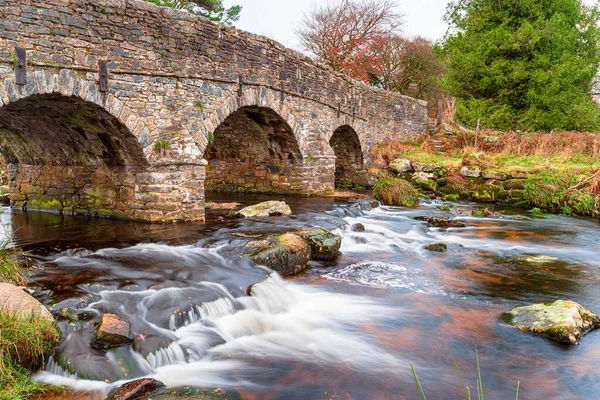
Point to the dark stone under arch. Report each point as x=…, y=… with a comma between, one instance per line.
x=254, y=150
x=349, y=163
x=59, y=130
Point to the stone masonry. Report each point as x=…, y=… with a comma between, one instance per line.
x=190, y=104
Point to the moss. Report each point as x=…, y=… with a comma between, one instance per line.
x=438, y=247
x=582, y=203
x=396, y=191
x=45, y=203
x=451, y=197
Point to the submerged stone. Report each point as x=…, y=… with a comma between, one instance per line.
x=563, y=320
x=265, y=209
x=137, y=389
x=286, y=254
x=324, y=245
x=111, y=331
x=358, y=227
x=441, y=222
x=539, y=259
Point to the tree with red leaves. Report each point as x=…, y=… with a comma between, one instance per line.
x=347, y=33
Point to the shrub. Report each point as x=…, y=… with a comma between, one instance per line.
x=396, y=192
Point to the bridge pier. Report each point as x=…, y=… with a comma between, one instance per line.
x=166, y=192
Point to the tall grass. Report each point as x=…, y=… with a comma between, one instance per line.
x=25, y=341
x=24, y=344
x=465, y=388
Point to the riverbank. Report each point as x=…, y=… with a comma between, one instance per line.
x=27, y=335
x=556, y=172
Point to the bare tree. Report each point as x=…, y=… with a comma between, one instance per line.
x=344, y=33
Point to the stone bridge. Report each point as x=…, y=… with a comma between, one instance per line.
x=125, y=109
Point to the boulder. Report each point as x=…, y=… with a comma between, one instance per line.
x=265, y=209
x=324, y=245
x=490, y=174
x=111, y=331
x=400, y=166
x=441, y=222
x=14, y=300
x=471, y=172
x=563, y=320
x=425, y=167
x=358, y=227
x=424, y=180
x=439, y=247
x=286, y=254
x=137, y=389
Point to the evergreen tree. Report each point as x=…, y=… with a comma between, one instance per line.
x=212, y=9
x=522, y=64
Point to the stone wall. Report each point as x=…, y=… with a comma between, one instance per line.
x=175, y=78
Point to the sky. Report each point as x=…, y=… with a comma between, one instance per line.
x=277, y=19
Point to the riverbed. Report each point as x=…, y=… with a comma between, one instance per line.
x=353, y=326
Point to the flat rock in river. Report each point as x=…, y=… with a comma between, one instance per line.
x=265, y=209
x=563, y=320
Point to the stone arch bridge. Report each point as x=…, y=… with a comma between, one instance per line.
x=125, y=109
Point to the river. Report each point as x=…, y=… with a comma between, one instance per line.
x=349, y=327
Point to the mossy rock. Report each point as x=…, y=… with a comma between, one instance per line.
x=451, y=197
x=441, y=222
x=442, y=181
x=517, y=194
x=286, y=254
x=563, y=320
x=437, y=247
x=502, y=194
x=515, y=184
x=324, y=245
x=448, y=189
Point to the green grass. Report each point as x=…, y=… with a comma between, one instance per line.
x=24, y=344
x=465, y=388
x=10, y=270
x=504, y=161
x=396, y=192
x=24, y=341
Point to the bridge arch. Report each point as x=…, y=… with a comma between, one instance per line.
x=253, y=150
x=68, y=84
x=70, y=148
x=349, y=163
x=255, y=144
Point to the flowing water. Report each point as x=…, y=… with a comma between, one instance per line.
x=353, y=326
